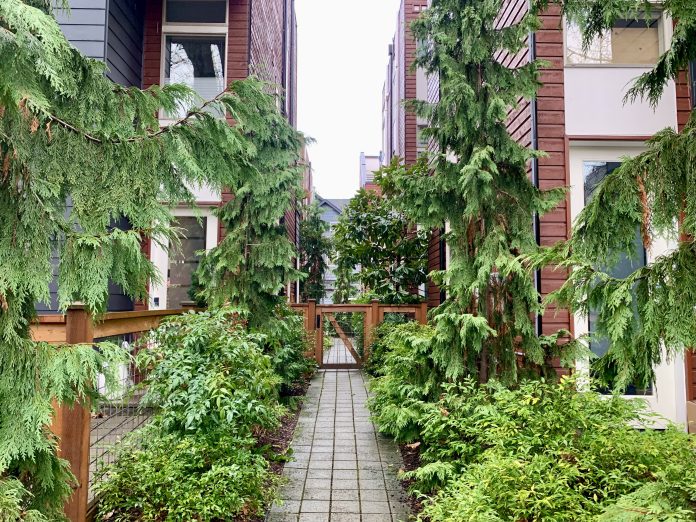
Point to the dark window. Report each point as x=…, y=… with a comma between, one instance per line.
x=196, y=11
x=184, y=259
x=196, y=61
x=594, y=173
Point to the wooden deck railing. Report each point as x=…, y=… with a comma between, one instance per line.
x=72, y=424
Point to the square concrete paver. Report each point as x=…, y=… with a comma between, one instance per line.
x=344, y=471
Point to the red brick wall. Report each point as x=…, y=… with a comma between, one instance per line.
x=266, y=44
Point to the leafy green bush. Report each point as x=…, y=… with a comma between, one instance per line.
x=548, y=452
x=409, y=380
x=13, y=501
x=207, y=372
x=206, y=477
x=216, y=387
x=380, y=345
x=286, y=342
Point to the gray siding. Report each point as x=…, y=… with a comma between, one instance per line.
x=124, y=49
x=85, y=26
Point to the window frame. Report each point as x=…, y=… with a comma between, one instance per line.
x=664, y=35
x=191, y=29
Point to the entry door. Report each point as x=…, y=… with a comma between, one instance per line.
x=342, y=339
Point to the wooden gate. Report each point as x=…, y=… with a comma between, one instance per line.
x=343, y=333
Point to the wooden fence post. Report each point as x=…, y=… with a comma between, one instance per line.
x=373, y=324
x=72, y=423
x=312, y=329
x=422, y=316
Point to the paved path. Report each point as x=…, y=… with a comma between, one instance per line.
x=343, y=470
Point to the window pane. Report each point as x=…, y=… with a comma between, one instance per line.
x=184, y=260
x=630, y=42
x=196, y=61
x=594, y=173
x=196, y=11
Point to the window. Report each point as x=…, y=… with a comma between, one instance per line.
x=594, y=173
x=184, y=260
x=196, y=61
x=194, y=48
x=629, y=42
x=196, y=11
x=692, y=74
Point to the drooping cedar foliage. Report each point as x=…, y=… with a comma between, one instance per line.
x=478, y=185
x=316, y=248
x=77, y=153
x=651, y=313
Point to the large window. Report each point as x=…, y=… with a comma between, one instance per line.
x=194, y=47
x=594, y=172
x=629, y=42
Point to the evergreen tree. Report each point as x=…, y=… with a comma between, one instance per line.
x=479, y=186
x=651, y=313
x=315, y=248
x=254, y=261
x=77, y=153
x=378, y=239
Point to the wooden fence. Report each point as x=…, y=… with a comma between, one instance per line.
x=72, y=424
x=374, y=314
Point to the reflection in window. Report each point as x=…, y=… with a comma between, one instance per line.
x=196, y=61
x=594, y=173
x=184, y=259
x=196, y=11
x=629, y=42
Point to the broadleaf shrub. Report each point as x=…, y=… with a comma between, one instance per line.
x=216, y=385
x=204, y=476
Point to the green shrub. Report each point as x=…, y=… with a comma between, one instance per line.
x=548, y=452
x=380, y=345
x=205, y=477
x=216, y=389
x=286, y=342
x=14, y=499
x=206, y=373
x=409, y=380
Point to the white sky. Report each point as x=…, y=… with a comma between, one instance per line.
x=342, y=61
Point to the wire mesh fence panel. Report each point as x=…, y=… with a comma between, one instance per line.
x=118, y=414
x=344, y=339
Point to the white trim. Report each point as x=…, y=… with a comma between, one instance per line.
x=669, y=392
x=159, y=253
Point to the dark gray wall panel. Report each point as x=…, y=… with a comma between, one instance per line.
x=124, y=50
x=85, y=26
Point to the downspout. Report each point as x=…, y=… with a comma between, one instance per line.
x=285, y=59
x=535, y=179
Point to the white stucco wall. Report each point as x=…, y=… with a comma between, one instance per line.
x=594, y=104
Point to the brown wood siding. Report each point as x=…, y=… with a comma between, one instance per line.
x=553, y=170
x=691, y=375
x=266, y=46
x=683, y=99
x=433, y=294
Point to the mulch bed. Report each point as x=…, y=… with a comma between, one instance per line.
x=410, y=454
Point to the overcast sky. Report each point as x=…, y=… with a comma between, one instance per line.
x=342, y=60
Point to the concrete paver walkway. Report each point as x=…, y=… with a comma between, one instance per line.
x=343, y=470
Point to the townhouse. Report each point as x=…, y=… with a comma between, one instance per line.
x=205, y=44
x=580, y=119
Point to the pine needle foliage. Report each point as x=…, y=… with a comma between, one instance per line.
x=478, y=184
x=79, y=153
x=376, y=238
x=649, y=315
x=315, y=249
